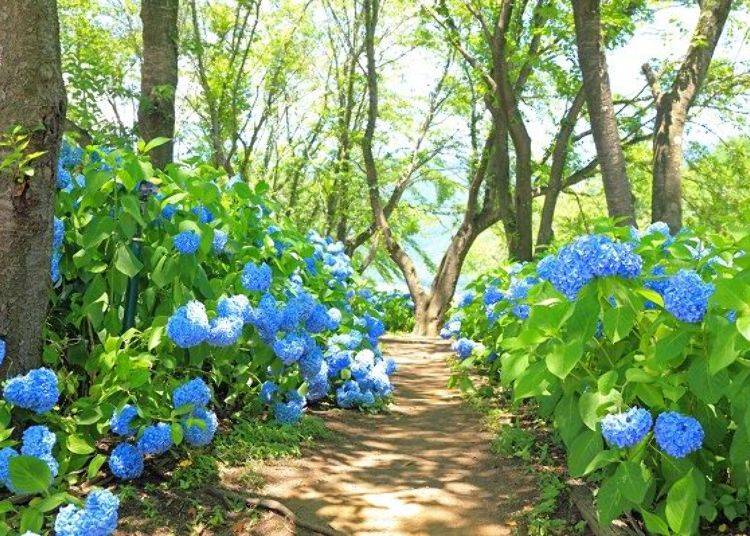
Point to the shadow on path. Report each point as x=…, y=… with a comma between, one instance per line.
x=422, y=469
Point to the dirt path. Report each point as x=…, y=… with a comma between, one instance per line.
x=423, y=469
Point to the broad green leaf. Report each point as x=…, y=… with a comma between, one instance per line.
x=563, y=358
x=682, y=505
x=126, y=262
x=29, y=475
x=618, y=322
x=583, y=452
x=77, y=444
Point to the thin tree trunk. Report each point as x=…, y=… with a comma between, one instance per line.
x=672, y=109
x=32, y=96
x=593, y=64
x=156, y=109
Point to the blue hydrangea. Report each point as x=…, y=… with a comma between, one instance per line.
x=168, y=211
x=466, y=299
x=318, y=386
x=38, y=441
x=334, y=319
x=678, y=435
x=98, y=517
x=290, y=348
x=267, y=391
x=204, y=214
x=220, y=240
x=237, y=306
x=266, y=318
x=199, y=435
x=70, y=155
x=120, y=421
x=224, y=331
x=375, y=326
x=156, y=439
x=188, y=326
x=390, y=367
x=350, y=340
x=318, y=320
x=626, y=429
x=126, y=461
x=452, y=328
x=54, y=269
x=311, y=362
x=289, y=412
x=36, y=391
x=256, y=278
x=659, y=228
x=2, y=351
x=58, y=233
x=194, y=392
x=64, y=180
x=464, y=347
x=5, y=455
x=187, y=242
x=337, y=361
x=686, y=296
x=376, y=380
x=586, y=258
x=350, y=395
x=657, y=283
x=492, y=295
x=363, y=362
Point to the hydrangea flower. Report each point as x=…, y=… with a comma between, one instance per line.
x=350, y=395
x=224, y=331
x=338, y=361
x=197, y=435
x=5, y=455
x=492, y=295
x=290, y=348
x=452, y=328
x=318, y=320
x=266, y=318
x=54, y=269
x=334, y=318
x=58, y=232
x=318, y=386
x=686, y=296
x=267, y=391
x=156, y=439
x=98, y=517
x=464, y=347
x=204, y=214
x=168, y=211
x=120, y=421
x=194, y=392
x=126, y=461
x=678, y=435
x=256, y=278
x=64, y=180
x=2, y=351
x=188, y=326
x=466, y=300
x=390, y=367
x=220, y=240
x=626, y=429
x=289, y=412
x=187, y=242
x=38, y=441
x=311, y=362
x=36, y=391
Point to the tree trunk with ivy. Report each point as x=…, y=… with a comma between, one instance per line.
x=32, y=98
x=156, y=110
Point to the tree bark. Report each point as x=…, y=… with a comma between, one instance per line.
x=156, y=109
x=593, y=65
x=32, y=95
x=672, y=109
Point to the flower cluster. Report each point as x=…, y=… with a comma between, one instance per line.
x=686, y=296
x=676, y=434
x=586, y=258
x=187, y=242
x=36, y=391
x=464, y=347
x=98, y=517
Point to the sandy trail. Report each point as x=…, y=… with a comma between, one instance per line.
x=423, y=469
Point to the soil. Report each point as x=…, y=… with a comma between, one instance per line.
x=423, y=468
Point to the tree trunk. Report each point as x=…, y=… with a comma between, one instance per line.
x=156, y=110
x=593, y=64
x=32, y=96
x=672, y=109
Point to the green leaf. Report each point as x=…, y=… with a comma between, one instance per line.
x=618, y=322
x=29, y=475
x=583, y=452
x=654, y=523
x=610, y=501
x=126, y=262
x=32, y=520
x=593, y=405
x=177, y=433
x=722, y=352
x=533, y=382
x=48, y=504
x=563, y=358
x=77, y=444
x=682, y=505
x=743, y=326
x=95, y=464
x=634, y=481
x=153, y=144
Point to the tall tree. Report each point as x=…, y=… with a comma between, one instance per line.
x=32, y=96
x=156, y=110
x=593, y=65
x=672, y=106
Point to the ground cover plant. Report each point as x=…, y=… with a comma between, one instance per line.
x=635, y=347
x=177, y=300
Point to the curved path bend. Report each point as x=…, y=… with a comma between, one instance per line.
x=424, y=468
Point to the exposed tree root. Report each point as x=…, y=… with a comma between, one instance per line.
x=265, y=502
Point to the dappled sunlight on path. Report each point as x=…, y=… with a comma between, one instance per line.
x=423, y=469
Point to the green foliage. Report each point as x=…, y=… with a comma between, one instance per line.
x=644, y=357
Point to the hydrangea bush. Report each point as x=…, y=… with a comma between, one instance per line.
x=636, y=348
x=176, y=294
